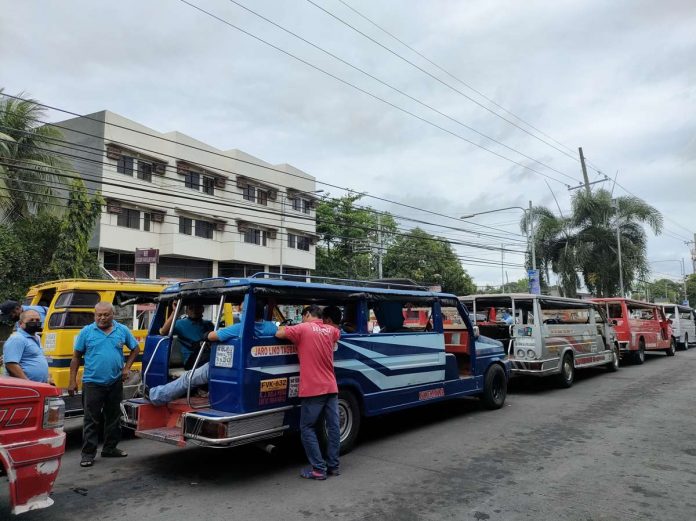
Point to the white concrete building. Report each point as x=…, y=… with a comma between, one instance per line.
x=209, y=212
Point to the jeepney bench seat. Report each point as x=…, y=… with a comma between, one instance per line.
x=176, y=360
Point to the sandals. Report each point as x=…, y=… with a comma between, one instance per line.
x=114, y=453
x=312, y=473
x=86, y=461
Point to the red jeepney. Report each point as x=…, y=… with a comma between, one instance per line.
x=640, y=326
x=32, y=441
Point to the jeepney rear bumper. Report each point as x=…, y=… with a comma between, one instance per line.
x=32, y=468
x=535, y=367
x=206, y=427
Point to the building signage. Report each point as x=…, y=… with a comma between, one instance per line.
x=534, y=285
x=146, y=255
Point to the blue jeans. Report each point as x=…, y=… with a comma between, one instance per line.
x=313, y=409
x=163, y=394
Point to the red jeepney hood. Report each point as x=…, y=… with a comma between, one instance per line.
x=29, y=453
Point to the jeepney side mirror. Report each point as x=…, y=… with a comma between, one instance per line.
x=476, y=332
x=614, y=322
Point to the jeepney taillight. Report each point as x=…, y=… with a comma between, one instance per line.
x=54, y=413
x=213, y=429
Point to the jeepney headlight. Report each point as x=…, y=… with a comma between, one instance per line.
x=520, y=353
x=531, y=353
x=54, y=413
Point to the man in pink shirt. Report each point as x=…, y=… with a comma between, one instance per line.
x=318, y=391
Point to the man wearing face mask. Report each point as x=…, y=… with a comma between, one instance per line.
x=23, y=355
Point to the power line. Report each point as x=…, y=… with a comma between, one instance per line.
x=356, y=87
x=468, y=86
x=439, y=80
x=420, y=102
x=213, y=168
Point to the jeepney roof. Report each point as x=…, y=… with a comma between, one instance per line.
x=97, y=284
x=493, y=296
x=628, y=301
x=222, y=285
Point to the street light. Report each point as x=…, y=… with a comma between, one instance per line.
x=530, y=227
x=283, y=197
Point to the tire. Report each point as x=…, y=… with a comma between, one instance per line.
x=494, y=387
x=639, y=356
x=613, y=366
x=349, y=418
x=672, y=349
x=567, y=375
x=686, y=341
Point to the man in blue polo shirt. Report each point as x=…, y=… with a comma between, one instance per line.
x=163, y=394
x=102, y=343
x=24, y=357
x=190, y=330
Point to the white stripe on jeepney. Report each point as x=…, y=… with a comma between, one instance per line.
x=277, y=369
x=426, y=341
x=391, y=382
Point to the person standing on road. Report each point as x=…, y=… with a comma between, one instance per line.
x=318, y=390
x=102, y=343
x=23, y=355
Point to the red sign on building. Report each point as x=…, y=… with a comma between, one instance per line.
x=146, y=255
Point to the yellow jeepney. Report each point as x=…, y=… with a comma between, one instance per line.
x=69, y=307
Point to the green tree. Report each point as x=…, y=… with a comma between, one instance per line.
x=584, y=242
x=72, y=257
x=28, y=167
x=427, y=259
x=347, y=233
x=691, y=289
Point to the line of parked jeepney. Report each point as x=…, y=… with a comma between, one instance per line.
x=401, y=346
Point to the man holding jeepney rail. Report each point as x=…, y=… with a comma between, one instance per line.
x=102, y=343
x=318, y=392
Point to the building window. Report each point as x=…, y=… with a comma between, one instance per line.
x=303, y=243
x=204, y=229
x=129, y=218
x=253, y=236
x=185, y=225
x=145, y=171
x=209, y=185
x=262, y=197
x=297, y=204
x=147, y=219
x=249, y=193
x=125, y=165
x=306, y=205
x=192, y=180
x=298, y=241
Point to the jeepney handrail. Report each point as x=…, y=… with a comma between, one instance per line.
x=381, y=284
x=242, y=416
x=198, y=358
x=170, y=334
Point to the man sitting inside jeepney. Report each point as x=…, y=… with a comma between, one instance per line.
x=163, y=394
x=190, y=331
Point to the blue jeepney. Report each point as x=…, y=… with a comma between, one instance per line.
x=253, y=380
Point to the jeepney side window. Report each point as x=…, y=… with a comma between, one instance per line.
x=402, y=316
x=46, y=297
x=524, y=312
x=558, y=312
x=685, y=315
x=77, y=299
x=615, y=311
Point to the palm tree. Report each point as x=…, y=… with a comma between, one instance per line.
x=585, y=241
x=28, y=167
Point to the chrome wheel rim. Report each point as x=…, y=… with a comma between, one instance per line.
x=568, y=369
x=345, y=419
x=616, y=359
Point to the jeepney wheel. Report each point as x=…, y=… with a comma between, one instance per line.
x=672, y=349
x=613, y=366
x=349, y=418
x=639, y=356
x=567, y=375
x=686, y=341
x=494, y=387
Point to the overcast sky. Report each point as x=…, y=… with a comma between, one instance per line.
x=617, y=78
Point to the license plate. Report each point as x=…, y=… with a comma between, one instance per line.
x=224, y=355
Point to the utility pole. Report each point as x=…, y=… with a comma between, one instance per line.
x=584, y=171
x=531, y=229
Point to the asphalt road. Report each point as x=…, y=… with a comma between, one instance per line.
x=616, y=446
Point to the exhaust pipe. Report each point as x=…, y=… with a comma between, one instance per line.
x=268, y=448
